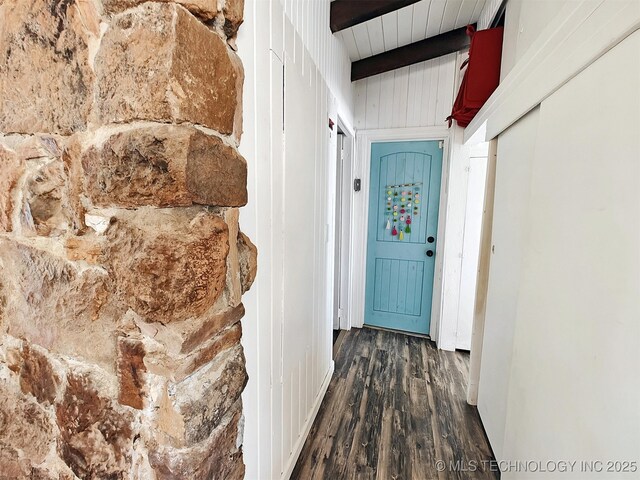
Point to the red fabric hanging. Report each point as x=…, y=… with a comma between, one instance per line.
x=482, y=75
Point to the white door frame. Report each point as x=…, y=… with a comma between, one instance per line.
x=346, y=232
x=360, y=216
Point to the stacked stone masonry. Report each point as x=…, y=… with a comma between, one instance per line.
x=122, y=264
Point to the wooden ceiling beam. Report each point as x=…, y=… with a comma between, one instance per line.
x=443, y=44
x=347, y=13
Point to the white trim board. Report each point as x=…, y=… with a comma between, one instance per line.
x=360, y=215
x=346, y=193
x=297, y=447
x=581, y=33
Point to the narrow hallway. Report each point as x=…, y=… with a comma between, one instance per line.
x=395, y=409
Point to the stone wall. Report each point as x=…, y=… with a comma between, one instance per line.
x=122, y=264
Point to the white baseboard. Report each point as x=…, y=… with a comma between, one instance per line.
x=297, y=448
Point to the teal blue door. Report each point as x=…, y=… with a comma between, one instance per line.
x=404, y=197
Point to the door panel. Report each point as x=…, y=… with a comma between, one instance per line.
x=396, y=285
x=403, y=219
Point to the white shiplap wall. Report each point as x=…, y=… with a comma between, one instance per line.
x=310, y=20
x=420, y=95
x=287, y=327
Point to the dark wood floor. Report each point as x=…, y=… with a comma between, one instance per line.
x=394, y=408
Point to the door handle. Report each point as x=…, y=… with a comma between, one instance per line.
x=429, y=253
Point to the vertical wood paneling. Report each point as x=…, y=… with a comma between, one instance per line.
x=376, y=36
x=416, y=90
x=288, y=42
x=277, y=209
x=350, y=42
x=451, y=10
x=313, y=25
x=276, y=33
x=266, y=363
x=330, y=163
x=390, y=30
x=405, y=21
x=330, y=53
x=466, y=11
x=373, y=102
x=446, y=80
x=400, y=90
x=420, y=95
x=420, y=15
x=385, y=119
x=430, y=92
x=305, y=292
x=287, y=336
x=477, y=11
x=436, y=12
x=361, y=34
x=310, y=342
x=360, y=106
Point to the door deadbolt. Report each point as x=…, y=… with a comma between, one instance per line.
x=431, y=240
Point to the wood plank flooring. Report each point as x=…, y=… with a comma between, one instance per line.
x=394, y=407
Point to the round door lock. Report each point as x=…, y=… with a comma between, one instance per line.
x=431, y=240
x=429, y=253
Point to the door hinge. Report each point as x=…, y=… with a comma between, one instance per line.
x=440, y=144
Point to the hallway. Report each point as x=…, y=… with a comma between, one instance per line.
x=394, y=408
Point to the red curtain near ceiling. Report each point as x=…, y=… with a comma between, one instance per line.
x=482, y=75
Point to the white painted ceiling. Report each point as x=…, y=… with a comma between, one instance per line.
x=409, y=24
